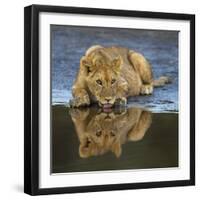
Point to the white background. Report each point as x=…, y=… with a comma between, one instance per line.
x=11, y=100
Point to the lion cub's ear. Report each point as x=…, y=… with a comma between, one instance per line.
x=116, y=64
x=116, y=149
x=84, y=151
x=86, y=64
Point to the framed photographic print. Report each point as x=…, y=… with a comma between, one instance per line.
x=109, y=99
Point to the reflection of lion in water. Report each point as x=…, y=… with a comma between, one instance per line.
x=108, y=75
x=101, y=132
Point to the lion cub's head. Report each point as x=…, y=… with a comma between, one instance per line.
x=101, y=132
x=102, y=135
x=102, y=76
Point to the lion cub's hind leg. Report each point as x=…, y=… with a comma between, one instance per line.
x=141, y=127
x=146, y=89
x=143, y=68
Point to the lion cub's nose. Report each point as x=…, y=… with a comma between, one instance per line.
x=108, y=98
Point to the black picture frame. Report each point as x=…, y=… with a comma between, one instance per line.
x=31, y=98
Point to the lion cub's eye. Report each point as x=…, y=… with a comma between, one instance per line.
x=99, y=82
x=113, y=81
x=112, y=133
x=98, y=133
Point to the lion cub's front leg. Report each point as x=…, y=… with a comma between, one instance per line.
x=81, y=98
x=121, y=99
x=79, y=114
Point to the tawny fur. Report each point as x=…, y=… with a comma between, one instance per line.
x=99, y=133
x=108, y=75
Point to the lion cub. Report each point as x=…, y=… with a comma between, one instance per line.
x=108, y=75
x=100, y=132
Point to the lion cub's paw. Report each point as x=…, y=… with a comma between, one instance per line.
x=146, y=89
x=121, y=101
x=79, y=101
x=79, y=114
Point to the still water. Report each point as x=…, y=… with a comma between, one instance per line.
x=127, y=138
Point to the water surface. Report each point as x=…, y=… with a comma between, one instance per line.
x=131, y=138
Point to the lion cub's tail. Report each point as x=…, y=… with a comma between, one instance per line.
x=161, y=81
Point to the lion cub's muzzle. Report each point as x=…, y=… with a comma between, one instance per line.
x=107, y=104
